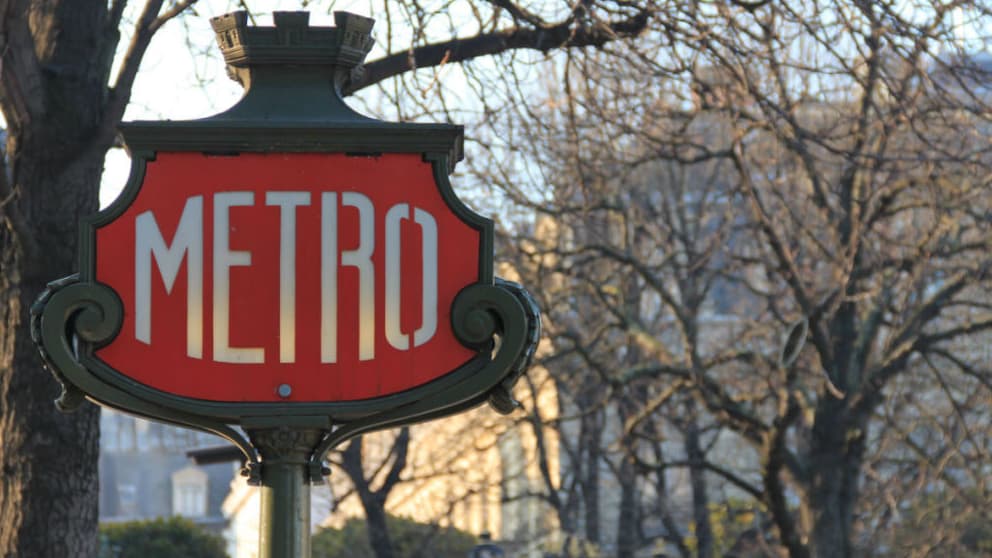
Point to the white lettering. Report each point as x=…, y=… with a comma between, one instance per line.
x=287, y=202
x=428, y=325
x=224, y=260
x=328, y=277
x=428, y=298
x=188, y=241
x=361, y=258
x=187, y=244
x=394, y=336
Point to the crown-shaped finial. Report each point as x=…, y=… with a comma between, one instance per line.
x=293, y=40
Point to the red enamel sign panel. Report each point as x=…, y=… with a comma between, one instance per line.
x=326, y=275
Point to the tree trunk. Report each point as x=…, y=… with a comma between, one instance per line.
x=49, y=490
x=836, y=455
x=592, y=433
x=374, y=501
x=53, y=91
x=628, y=520
x=627, y=539
x=697, y=476
x=375, y=520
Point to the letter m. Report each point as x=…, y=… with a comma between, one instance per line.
x=188, y=243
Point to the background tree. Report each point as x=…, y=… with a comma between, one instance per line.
x=62, y=97
x=373, y=498
x=61, y=104
x=736, y=175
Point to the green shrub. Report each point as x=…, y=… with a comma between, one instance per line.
x=408, y=537
x=174, y=537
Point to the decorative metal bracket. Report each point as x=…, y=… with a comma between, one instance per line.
x=69, y=315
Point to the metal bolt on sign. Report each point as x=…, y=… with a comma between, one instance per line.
x=289, y=267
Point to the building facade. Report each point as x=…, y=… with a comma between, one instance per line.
x=146, y=474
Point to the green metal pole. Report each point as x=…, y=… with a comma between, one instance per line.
x=284, y=525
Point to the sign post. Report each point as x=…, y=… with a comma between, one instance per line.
x=288, y=274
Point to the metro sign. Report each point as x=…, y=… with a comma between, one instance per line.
x=287, y=274
x=316, y=273
x=288, y=266
x=235, y=284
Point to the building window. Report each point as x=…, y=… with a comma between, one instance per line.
x=127, y=499
x=189, y=492
x=192, y=501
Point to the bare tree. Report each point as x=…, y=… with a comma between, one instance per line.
x=744, y=173
x=62, y=98
x=373, y=499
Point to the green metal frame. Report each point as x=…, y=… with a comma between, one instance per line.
x=292, y=75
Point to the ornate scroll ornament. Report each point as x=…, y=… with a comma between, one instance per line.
x=71, y=318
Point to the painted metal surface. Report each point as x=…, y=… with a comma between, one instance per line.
x=179, y=319
x=287, y=274
x=332, y=275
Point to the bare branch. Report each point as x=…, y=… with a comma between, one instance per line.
x=542, y=39
x=518, y=13
x=175, y=10
x=399, y=452
x=120, y=93
x=21, y=95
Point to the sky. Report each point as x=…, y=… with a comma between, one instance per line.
x=183, y=77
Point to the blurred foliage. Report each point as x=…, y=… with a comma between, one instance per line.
x=943, y=524
x=409, y=539
x=563, y=546
x=173, y=537
x=737, y=527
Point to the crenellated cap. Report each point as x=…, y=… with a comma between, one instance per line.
x=293, y=41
